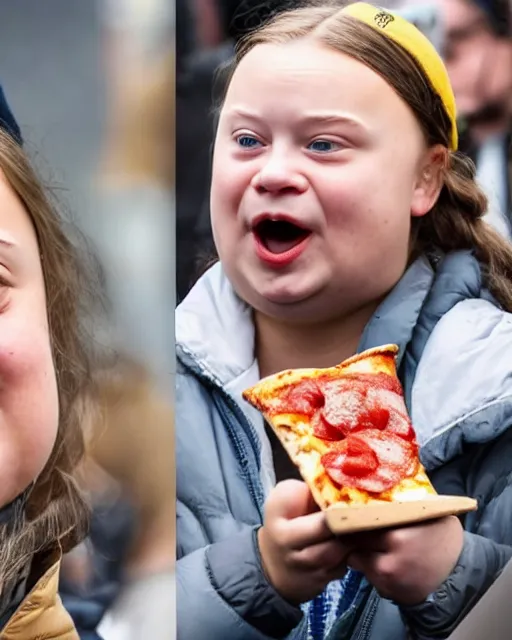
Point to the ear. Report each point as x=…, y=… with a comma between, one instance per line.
x=429, y=181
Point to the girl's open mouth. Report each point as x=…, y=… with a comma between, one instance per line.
x=279, y=242
x=279, y=236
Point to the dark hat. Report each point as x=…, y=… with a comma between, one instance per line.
x=8, y=121
x=498, y=13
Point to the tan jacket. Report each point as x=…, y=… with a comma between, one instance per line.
x=41, y=615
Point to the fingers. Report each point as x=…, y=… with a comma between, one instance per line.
x=290, y=499
x=366, y=562
x=293, y=517
x=408, y=563
x=303, y=532
x=289, y=513
x=330, y=555
x=371, y=541
x=388, y=540
x=299, y=554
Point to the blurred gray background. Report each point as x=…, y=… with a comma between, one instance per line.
x=51, y=71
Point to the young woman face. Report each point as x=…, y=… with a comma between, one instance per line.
x=29, y=405
x=318, y=168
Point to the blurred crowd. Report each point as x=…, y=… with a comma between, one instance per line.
x=126, y=567
x=474, y=37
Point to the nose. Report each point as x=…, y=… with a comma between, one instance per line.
x=279, y=175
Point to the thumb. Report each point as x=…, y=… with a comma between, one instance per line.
x=290, y=499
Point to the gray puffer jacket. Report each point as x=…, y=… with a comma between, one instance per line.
x=455, y=363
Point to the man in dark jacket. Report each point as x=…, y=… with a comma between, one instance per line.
x=478, y=56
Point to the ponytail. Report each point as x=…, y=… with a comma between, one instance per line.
x=456, y=222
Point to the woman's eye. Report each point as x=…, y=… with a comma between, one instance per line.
x=247, y=142
x=4, y=283
x=323, y=146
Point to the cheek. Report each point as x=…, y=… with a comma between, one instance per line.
x=230, y=181
x=29, y=408
x=366, y=214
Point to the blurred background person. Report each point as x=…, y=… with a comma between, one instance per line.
x=201, y=47
x=207, y=31
x=131, y=445
x=135, y=228
x=477, y=49
x=98, y=107
x=123, y=576
x=133, y=441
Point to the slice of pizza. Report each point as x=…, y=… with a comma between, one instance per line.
x=347, y=429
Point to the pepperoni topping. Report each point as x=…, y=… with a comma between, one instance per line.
x=379, y=380
x=386, y=383
x=344, y=404
x=398, y=419
x=323, y=430
x=385, y=398
x=304, y=398
x=309, y=395
x=350, y=407
x=373, y=418
x=371, y=460
x=401, y=426
x=355, y=458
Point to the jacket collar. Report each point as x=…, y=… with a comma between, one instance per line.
x=41, y=614
x=215, y=332
x=446, y=324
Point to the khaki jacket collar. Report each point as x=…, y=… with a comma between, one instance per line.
x=41, y=614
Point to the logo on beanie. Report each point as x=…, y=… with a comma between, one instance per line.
x=383, y=18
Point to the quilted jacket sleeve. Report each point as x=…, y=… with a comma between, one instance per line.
x=487, y=544
x=222, y=593
x=479, y=565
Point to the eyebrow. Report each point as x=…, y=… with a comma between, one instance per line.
x=331, y=118
x=308, y=119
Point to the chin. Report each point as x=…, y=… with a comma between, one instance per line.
x=279, y=294
x=296, y=307
x=284, y=290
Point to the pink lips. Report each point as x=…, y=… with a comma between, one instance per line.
x=267, y=251
x=279, y=259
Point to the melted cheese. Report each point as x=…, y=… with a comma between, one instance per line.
x=306, y=451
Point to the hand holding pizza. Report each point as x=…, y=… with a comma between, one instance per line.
x=348, y=431
x=408, y=564
x=300, y=555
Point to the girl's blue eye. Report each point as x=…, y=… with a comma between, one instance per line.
x=247, y=142
x=323, y=146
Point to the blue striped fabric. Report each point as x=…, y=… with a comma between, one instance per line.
x=325, y=609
